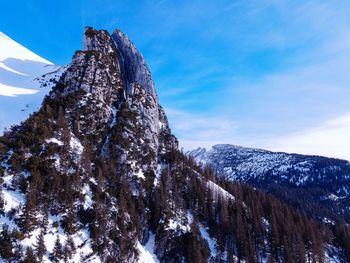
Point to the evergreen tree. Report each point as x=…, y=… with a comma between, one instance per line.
x=57, y=253
x=6, y=244
x=69, y=249
x=29, y=258
x=40, y=247
x=17, y=252
x=2, y=202
x=28, y=218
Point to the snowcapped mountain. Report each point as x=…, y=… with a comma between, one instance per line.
x=95, y=175
x=25, y=78
x=321, y=181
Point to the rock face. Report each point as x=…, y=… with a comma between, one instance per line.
x=324, y=182
x=135, y=69
x=102, y=92
x=96, y=176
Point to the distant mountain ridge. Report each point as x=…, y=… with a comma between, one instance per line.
x=323, y=181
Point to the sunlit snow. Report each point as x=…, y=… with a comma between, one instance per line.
x=25, y=79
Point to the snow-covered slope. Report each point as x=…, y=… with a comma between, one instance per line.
x=247, y=164
x=323, y=180
x=24, y=80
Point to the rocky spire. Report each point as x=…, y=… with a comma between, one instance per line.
x=135, y=69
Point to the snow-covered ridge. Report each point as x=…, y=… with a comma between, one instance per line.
x=3, y=36
x=325, y=180
x=12, y=49
x=25, y=78
x=246, y=164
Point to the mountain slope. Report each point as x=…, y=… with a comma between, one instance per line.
x=25, y=78
x=320, y=181
x=96, y=176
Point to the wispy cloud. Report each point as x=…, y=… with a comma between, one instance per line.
x=329, y=139
x=255, y=73
x=200, y=130
x=287, y=81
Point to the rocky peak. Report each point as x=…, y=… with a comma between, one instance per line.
x=135, y=69
x=106, y=74
x=99, y=41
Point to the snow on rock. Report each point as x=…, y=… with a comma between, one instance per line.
x=211, y=241
x=83, y=244
x=146, y=251
x=76, y=148
x=220, y=192
x=31, y=239
x=332, y=255
x=266, y=224
x=81, y=239
x=180, y=223
x=54, y=140
x=177, y=225
x=328, y=221
x=158, y=173
x=86, y=191
x=139, y=174
x=137, y=171
x=12, y=197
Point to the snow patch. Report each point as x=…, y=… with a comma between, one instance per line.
x=147, y=254
x=54, y=140
x=86, y=191
x=219, y=192
x=211, y=242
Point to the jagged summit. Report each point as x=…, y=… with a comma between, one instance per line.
x=111, y=71
x=136, y=69
x=132, y=64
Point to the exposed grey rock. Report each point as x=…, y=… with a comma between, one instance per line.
x=134, y=66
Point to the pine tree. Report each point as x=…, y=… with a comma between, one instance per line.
x=62, y=123
x=2, y=202
x=45, y=220
x=69, y=249
x=17, y=252
x=57, y=253
x=28, y=218
x=29, y=258
x=70, y=220
x=6, y=244
x=40, y=247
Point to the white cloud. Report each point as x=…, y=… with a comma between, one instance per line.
x=302, y=107
x=329, y=139
x=294, y=59
x=200, y=130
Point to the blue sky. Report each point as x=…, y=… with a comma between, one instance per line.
x=271, y=74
